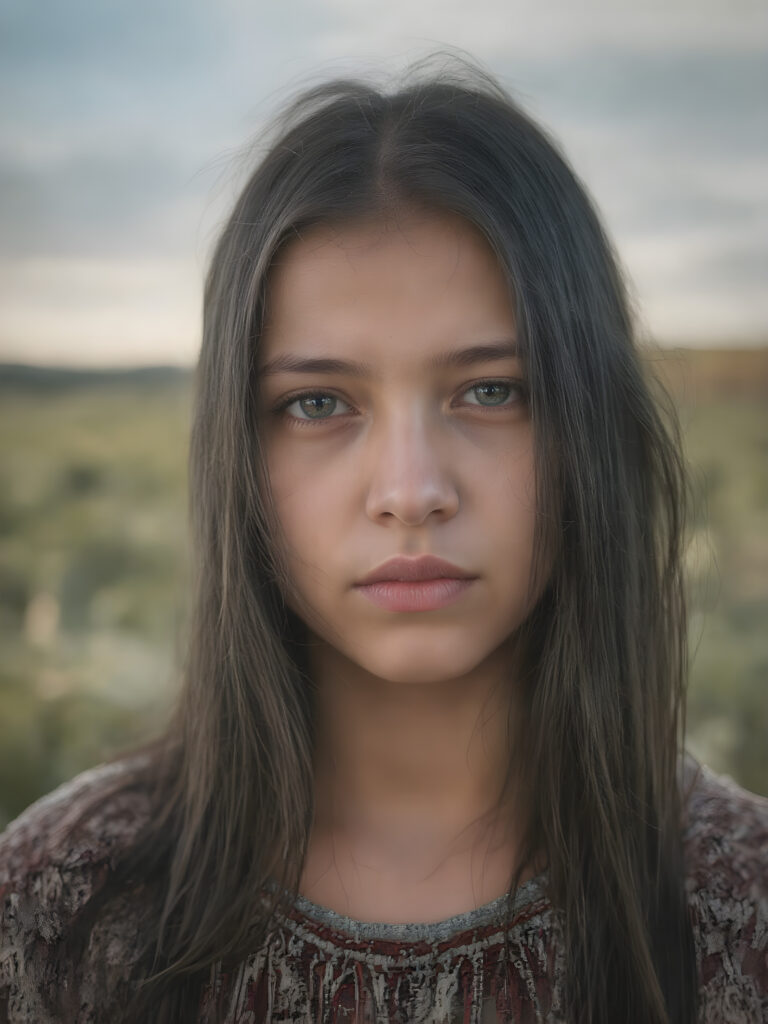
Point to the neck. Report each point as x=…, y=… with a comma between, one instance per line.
x=416, y=763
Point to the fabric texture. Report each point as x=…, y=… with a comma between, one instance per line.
x=319, y=966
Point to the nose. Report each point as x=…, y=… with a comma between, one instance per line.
x=411, y=476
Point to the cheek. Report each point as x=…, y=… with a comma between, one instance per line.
x=510, y=514
x=512, y=498
x=310, y=507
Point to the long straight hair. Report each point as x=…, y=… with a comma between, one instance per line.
x=603, y=684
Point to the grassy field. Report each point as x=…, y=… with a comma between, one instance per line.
x=94, y=563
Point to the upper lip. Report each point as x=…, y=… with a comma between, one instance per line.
x=427, y=567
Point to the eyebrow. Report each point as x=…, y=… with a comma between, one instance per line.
x=459, y=357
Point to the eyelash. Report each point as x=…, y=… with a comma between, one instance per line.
x=518, y=386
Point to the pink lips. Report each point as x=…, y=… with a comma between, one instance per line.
x=415, y=584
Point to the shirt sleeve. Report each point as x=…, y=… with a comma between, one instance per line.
x=727, y=871
x=52, y=863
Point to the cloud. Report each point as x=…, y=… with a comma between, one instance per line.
x=101, y=312
x=96, y=203
x=121, y=120
x=511, y=28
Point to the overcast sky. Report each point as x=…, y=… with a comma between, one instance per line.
x=122, y=127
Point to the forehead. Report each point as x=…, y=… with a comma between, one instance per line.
x=423, y=281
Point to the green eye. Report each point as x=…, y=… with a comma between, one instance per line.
x=317, y=407
x=491, y=393
x=312, y=407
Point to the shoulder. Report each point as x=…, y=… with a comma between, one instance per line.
x=80, y=822
x=726, y=854
x=726, y=837
x=54, y=858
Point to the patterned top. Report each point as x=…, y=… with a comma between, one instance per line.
x=320, y=966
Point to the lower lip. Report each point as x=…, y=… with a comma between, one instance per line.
x=416, y=596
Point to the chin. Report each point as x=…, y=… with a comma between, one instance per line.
x=422, y=666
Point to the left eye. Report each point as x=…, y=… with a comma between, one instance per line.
x=490, y=392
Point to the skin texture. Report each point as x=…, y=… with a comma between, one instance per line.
x=413, y=708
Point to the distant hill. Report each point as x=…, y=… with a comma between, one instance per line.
x=20, y=376
x=696, y=374
x=691, y=374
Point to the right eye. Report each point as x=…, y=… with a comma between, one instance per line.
x=311, y=406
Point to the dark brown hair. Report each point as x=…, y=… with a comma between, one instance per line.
x=604, y=680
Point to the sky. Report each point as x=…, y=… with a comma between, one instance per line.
x=125, y=128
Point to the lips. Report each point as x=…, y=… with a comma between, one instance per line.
x=413, y=570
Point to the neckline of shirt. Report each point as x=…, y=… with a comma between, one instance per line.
x=489, y=913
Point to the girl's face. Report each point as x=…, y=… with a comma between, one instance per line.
x=395, y=423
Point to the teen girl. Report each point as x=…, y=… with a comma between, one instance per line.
x=427, y=761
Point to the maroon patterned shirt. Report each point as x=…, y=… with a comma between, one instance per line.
x=320, y=966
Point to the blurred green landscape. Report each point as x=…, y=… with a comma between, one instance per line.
x=94, y=562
